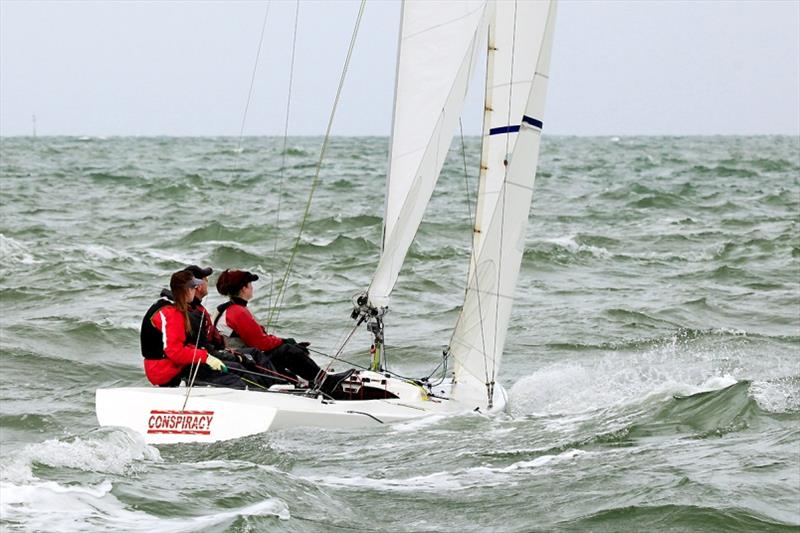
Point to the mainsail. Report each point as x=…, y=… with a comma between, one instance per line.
x=521, y=38
x=439, y=43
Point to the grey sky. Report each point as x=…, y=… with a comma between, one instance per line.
x=183, y=68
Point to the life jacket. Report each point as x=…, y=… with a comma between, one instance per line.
x=232, y=339
x=150, y=338
x=199, y=334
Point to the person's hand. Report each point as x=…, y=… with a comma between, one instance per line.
x=247, y=360
x=216, y=364
x=304, y=344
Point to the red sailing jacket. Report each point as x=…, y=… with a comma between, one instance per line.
x=237, y=320
x=169, y=321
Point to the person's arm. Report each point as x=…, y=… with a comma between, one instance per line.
x=169, y=322
x=242, y=321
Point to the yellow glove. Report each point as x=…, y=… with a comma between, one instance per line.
x=216, y=364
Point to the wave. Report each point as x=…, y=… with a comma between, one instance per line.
x=568, y=249
x=103, y=177
x=674, y=517
x=343, y=223
x=14, y=252
x=703, y=414
x=233, y=257
x=103, y=456
x=678, y=336
x=722, y=171
x=458, y=480
x=215, y=231
x=338, y=244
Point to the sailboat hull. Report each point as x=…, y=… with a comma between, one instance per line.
x=215, y=414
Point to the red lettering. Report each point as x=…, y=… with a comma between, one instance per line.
x=180, y=422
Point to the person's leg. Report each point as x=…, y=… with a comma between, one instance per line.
x=292, y=359
x=207, y=376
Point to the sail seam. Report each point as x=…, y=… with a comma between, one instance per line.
x=451, y=21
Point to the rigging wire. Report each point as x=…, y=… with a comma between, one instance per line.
x=275, y=311
x=283, y=155
x=253, y=77
x=194, y=369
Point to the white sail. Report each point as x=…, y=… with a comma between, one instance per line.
x=479, y=337
x=515, y=38
x=439, y=42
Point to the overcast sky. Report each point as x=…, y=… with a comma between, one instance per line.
x=184, y=68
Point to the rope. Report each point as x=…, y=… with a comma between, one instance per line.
x=253, y=77
x=473, y=257
x=194, y=369
x=275, y=311
x=318, y=382
x=283, y=151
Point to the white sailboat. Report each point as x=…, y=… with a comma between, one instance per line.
x=440, y=42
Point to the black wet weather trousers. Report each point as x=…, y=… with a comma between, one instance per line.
x=291, y=360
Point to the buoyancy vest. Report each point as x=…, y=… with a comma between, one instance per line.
x=232, y=338
x=199, y=334
x=150, y=337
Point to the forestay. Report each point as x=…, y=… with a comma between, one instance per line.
x=439, y=42
x=520, y=38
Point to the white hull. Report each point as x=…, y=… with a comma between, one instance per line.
x=215, y=414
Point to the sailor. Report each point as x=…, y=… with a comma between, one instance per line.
x=202, y=325
x=237, y=323
x=168, y=352
x=205, y=335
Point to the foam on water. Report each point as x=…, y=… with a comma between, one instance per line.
x=777, y=396
x=616, y=380
x=14, y=252
x=50, y=506
x=569, y=243
x=111, y=451
x=461, y=479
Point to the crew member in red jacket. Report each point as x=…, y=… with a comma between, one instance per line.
x=237, y=323
x=168, y=354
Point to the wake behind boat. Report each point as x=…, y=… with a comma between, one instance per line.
x=440, y=42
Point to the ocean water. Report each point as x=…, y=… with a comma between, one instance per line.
x=653, y=360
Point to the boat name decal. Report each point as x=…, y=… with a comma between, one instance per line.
x=180, y=422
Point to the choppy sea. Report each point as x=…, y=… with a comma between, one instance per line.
x=653, y=360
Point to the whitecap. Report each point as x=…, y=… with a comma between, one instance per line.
x=462, y=479
x=112, y=451
x=14, y=252
x=570, y=244
x=780, y=395
x=49, y=506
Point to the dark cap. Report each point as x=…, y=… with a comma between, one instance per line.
x=198, y=272
x=232, y=281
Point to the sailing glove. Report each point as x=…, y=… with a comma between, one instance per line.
x=247, y=360
x=216, y=364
